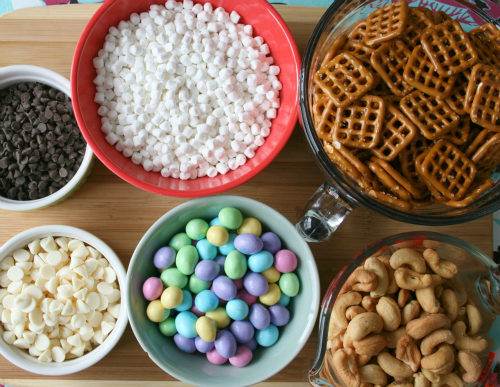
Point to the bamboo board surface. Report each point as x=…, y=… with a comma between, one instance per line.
x=120, y=213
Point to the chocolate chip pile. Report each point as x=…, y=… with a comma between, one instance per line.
x=41, y=147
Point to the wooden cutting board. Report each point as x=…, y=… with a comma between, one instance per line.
x=120, y=214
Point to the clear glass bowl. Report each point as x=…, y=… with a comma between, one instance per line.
x=478, y=274
x=340, y=194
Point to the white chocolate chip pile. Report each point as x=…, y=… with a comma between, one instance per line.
x=185, y=90
x=59, y=298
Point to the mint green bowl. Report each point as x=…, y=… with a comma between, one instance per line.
x=195, y=368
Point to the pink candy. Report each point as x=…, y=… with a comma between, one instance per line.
x=285, y=261
x=247, y=297
x=152, y=288
x=214, y=357
x=195, y=310
x=242, y=357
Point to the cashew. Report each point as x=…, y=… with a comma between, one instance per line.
x=463, y=342
x=408, y=258
x=378, y=268
x=373, y=373
x=438, y=290
x=390, y=313
x=342, y=302
x=344, y=362
x=364, y=324
x=419, y=380
x=451, y=379
x=401, y=383
x=459, y=290
x=334, y=344
x=403, y=297
x=412, y=280
x=393, y=367
x=471, y=364
x=441, y=267
x=421, y=327
x=360, y=280
x=462, y=314
x=348, y=343
x=423, y=314
x=449, y=301
x=353, y=311
x=474, y=318
x=435, y=338
x=361, y=360
x=393, y=286
x=440, y=362
x=334, y=331
x=427, y=298
x=407, y=351
x=371, y=345
x=369, y=303
x=410, y=312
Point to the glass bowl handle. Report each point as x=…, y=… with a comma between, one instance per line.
x=324, y=213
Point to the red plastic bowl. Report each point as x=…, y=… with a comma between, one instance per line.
x=266, y=22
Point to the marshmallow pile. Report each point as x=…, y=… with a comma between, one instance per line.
x=185, y=90
x=58, y=298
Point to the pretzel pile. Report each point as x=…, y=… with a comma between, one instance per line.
x=408, y=105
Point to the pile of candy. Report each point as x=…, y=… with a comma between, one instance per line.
x=225, y=274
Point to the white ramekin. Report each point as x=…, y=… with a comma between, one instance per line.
x=29, y=363
x=11, y=75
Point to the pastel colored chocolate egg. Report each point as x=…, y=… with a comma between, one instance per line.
x=272, y=242
x=207, y=270
x=215, y=222
x=259, y=316
x=152, y=288
x=248, y=244
x=242, y=357
x=220, y=316
x=206, y=301
x=268, y=336
x=217, y=235
x=229, y=246
x=206, y=250
x=261, y=261
x=251, y=344
x=203, y=346
x=247, y=297
x=280, y=315
x=284, y=300
x=289, y=284
x=187, y=258
x=196, y=311
x=237, y=309
x=179, y=240
x=250, y=226
x=167, y=327
x=185, y=323
x=197, y=229
x=164, y=257
x=225, y=344
x=242, y=331
x=197, y=285
x=221, y=260
x=285, y=261
x=230, y=217
x=173, y=277
x=272, y=275
x=156, y=312
x=255, y=284
x=224, y=288
x=185, y=344
x=215, y=357
x=172, y=297
x=235, y=265
x=272, y=296
x=187, y=301
x=239, y=283
x=206, y=329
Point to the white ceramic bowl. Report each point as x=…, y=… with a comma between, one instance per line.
x=11, y=75
x=29, y=363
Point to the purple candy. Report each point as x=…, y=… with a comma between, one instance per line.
x=221, y=259
x=279, y=315
x=184, y=344
x=255, y=284
x=164, y=257
x=225, y=344
x=248, y=244
x=272, y=242
x=259, y=316
x=242, y=331
x=202, y=345
x=207, y=270
x=251, y=345
x=224, y=288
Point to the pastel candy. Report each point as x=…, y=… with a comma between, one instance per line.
x=224, y=288
x=152, y=288
x=156, y=312
x=268, y=336
x=247, y=297
x=206, y=301
x=229, y=246
x=197, y=229
x=237, y=309
x=187, y=301
x=255, y=284
x=207, y=270
x=179, y=240
x=250, y=226
x=235, y=265
x=259, y=316
x=206, y=329
x=173, y=277
x=260, y=262
x=230, y=217
x=225, y=344
x=185, y=323
x=272, y=296
x=206, y=250
x=285, y=261
x=164, y=257
x=248, y=244
x=242, y=357
x=289, y=284
x=251, y=344
x=203, y=346
x=167, y=327
x=184, y=343
x=242, y=331
x=172, y=297
x=215, y=357
x=272, y=242
x=187, y=258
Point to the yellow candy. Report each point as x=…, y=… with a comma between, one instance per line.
x=172, y=297
x=206, y=329
x=272, y=296
x=156, y=312
x=250, y=226
x=217, y=235
x=220, y=316
x=272, y=275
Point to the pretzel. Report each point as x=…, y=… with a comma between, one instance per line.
x=489, y=35
x=365, y=171
x=400, y=179
x=449, y=48
x=448, y=170
x=433, y=116
x=392, y=100
x=486, y=106
x=326, y=111
x=441, y=17
x=389, y=182
x=425, y=10
x=485, y=54
x=381, y=89
x=337, y=45
x=422, y=202
x=456, y=99
x=386, y=23
x=389, y=61
x=436, y=196
x=360, y=124
x=421, y=74
x=344, y=79
x=398, y=131
x=358, y=33
x=472, y=195
x=317, y=92
x=418, y=21
x=479, y=73
x=477, y=141
x=407, y=160
x=385, y=197
x=487, y=157
x=460, y=134
x=334, y=155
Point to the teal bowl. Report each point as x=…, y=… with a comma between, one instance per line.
x=195, y=369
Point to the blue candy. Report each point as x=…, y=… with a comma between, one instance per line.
x=185, y=323
x=187, y=301
x=267, y=337
x=216, y=222
x=260, y=262
x=229, y=246
x=206, y=301
x=237, y=309
x=284, y=300
x=206, y=250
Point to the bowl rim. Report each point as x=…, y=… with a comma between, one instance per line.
x=171, y=192
x=231, y=200
x=10, y=75
x=17, y=356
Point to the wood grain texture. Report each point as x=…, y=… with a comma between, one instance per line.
x=120, y=214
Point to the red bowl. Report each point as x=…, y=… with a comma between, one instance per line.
x=266, y=22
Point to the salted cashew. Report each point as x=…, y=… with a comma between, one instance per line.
x=408, y=258
x=334, y=344
x=370, y=345
x=342, y=302
x=392, y=338
x=440, y=362
x=353, y=311
x=438, y=290
x=435, y=338
x=408, y=352
x=421, y=327
x=471, y=364
x=474, y=318
x=451, y=379
x=361, y=360
x=369, y=303
x=348, y=343
x=393, y=286
x=462, y=314
x=360, y=280
x=378, y=268
x=419, y=380
x=441, y=267
x=344, y=361
x=459, y=290
x=334, y=331
x=449, y=301
x=390, y=313
x=373, y=373
x=463, y=342
x=401, y=383
x=410, y=312
x=404, y=296
x=427, y=298
x=393, y=367
x=364, y=324
x=423, y=313
x=412, y=280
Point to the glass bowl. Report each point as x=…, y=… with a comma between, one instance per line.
x=477, y=273
x=340, y=194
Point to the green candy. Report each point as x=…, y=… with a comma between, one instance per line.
x=235, y=265
x=197, y=229
x=186, y=259
x=179, y=240
x=173, y=277
x=197, y=285
x=289, y=284
x=167, y=327
x=231, y=218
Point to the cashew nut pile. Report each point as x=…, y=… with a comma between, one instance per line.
x=403, y=321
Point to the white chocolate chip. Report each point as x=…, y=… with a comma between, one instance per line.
x=9, y=337
x=65, y=345
x=40, y=283
x=54, y=258
x=81, y=252
x=6, y=316
x=81, y=270
x=82, y=307
x=78, y=351
x=64, y=319
x=81, y=294
x=58, y=354
x=75, y=340
x=38, y=262
x=93, y=252
x=36, y=316
x=55, y=333
x=34, y=246
x=74, y=244
x=51, y=320
x=21, y=255
x=46, y=356
x=15, y=287
x=18, y=329
x=56, y=307
x=115, y=296
x=104, y=288
x=62, y=243
x=52, y=285
x=7, y=263
x=34, y=292
x=65, y=291
x=21, y=343
x=98, y=273
x=77, y=284
x=42, y=342
x=8, y=301
x=15, y=273
x=22, y=301
x=104, y=302
x=91, y=264
x=48, y=244
x=69, y=309
x=93, y=301
x=114, y=310
x=26, y=266
x=77, y=321
x=103, y=262
x=29, y=336
x=17, y=317
x=47, y=271
x=107, y=327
